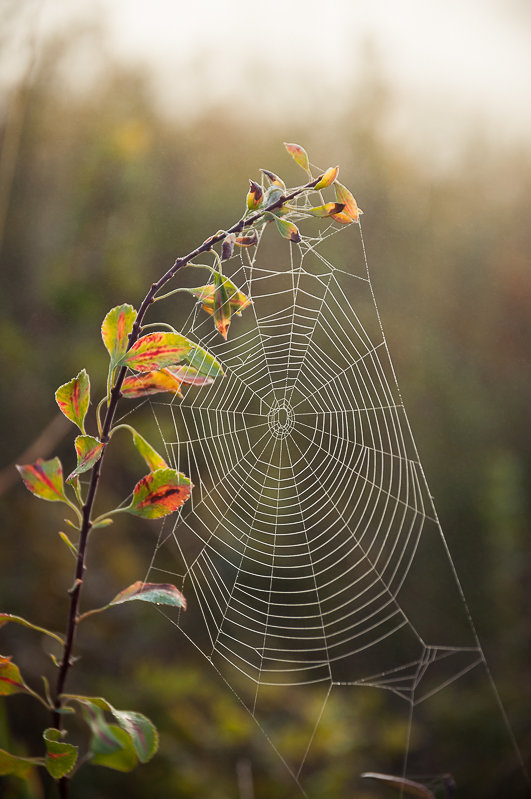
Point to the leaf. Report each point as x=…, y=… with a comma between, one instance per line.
x=115, y=331
x=44, y=479
x=89, y=451
x=147, y=383
x=329, y=209
x=157, y=593
x=142, y=732
x=114, y=746
x=110, y=745
x=150, y=455
x=288, y=230
x=68, y=543
x=60, y=757
x=275, y=181
x=11, y=681
x=190, y=376
x=300, y=155
x=157, y=350
x=404, y=786
x=343, y=195
x=17, y=766
x=222, y=309
x=327, y=178
x=204, y=364
x=254, y=196
x=342, y=218
x=6, y=618
x=227, y=248
x=247, y=241
x=73, y=399
x=102, y=523
x=159, y=493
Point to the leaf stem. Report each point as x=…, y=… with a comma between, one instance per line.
x=113, y=398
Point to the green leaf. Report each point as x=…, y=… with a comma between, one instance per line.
x=115, y=331
x=7, y=618
x=11, y=681
x=150, y=455
x=143, y=733
x=157, y=350
x=88, y=451
x=110, y=745
x=65, y=539
x=403, y=785
x=113, y=746
x=287, y=229
x=156, y=593
x=123, y=757
x=299, y=155
x=329, y=209
x=60, y=757
x=17, y=766
x=44, y=479
x=159, y=493
x=204, y=363
x=73, y=399
x=102, y=523
x=327, y=178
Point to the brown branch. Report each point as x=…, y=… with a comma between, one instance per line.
x=75, y=590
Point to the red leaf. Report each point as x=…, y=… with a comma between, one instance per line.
x=160, y=493
x=44, y=479
x=73, y=399
x=157, y=350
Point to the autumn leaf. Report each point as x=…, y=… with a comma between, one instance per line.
x=88, y=451
x=115, y=331
x=288, y=230
x=159, y=493
x=44, y=479
x=343, y=195
x=275, y=180
x=156, y=593
x=156, y=351
x=254, y=196
x=329, y=209
x=299, y=155
x=327, y=178
x=73, y=399
x=247, y=241
x=154, y=382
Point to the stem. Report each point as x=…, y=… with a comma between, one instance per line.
x=113, y=400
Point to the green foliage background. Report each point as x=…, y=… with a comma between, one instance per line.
x=106, y=192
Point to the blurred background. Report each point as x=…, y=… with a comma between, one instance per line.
x=128, y=133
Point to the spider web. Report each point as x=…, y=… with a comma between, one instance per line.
x=310, y=551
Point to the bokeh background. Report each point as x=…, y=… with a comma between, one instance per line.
x=128, y=133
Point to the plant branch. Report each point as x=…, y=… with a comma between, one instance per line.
x=115, y=394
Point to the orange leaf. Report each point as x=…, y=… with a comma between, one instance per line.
x=143, y=385
x=342, y=218
x=159, y=493
x=247, y=241
x=275, y=180
x=343, y=195
x=157, y=350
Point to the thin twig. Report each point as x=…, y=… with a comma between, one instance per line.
x=115, y=395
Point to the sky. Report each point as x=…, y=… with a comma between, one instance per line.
x=451, y=64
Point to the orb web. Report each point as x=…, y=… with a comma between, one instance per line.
x=310, y=551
